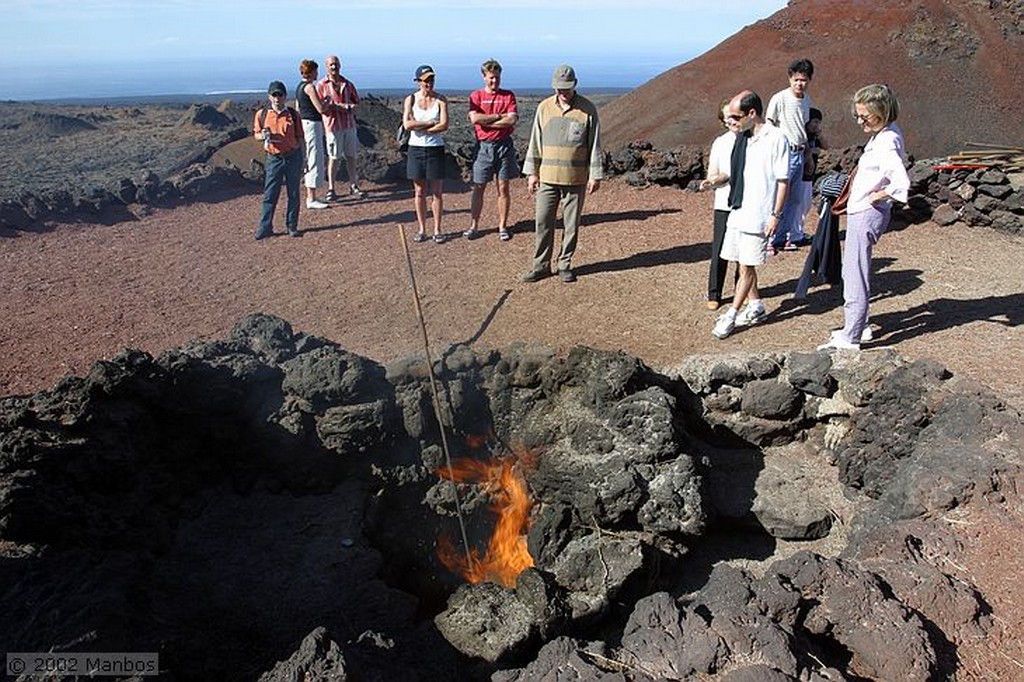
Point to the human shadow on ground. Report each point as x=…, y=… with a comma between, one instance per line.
x=947, y=313
x=487, y=320
x=884, y=284
x=645, y=214
x=688, y=253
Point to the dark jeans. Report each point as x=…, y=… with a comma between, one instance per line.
x=718, y=267
x=287, y=169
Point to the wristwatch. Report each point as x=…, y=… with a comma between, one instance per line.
x=776, y=214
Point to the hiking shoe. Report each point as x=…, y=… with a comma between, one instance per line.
x=316, y=204
x=835, y=342
x=751, y=316
x=356, y=192
x=566, y=275
x=724, y=325
x=534, y=276
x=330, y=196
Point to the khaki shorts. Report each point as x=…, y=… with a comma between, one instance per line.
x=342, y=143
x=745, y=248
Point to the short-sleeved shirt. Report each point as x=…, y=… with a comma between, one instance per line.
x=285, y=129
x=343, y=93
x=766, y=163
x=790, y=113
x=498, y=102
x=721, y=158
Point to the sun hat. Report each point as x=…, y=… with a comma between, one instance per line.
x=564, y=78
x=276, y=88
x=424, y=71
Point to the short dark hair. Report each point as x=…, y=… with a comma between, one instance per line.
x=749, y=101
x=803, y=66
x=816, y=115
x=490, y=66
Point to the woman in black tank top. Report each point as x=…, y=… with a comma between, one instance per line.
x=310, y=109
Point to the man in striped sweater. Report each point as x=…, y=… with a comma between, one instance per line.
x=563, y=165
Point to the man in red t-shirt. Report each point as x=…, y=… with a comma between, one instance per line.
x=493, y=113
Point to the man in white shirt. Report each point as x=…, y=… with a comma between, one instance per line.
x=789, y=110
x=760, y=184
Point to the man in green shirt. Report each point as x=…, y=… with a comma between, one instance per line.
x=563, y=165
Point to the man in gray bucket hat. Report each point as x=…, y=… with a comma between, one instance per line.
x=563, y=165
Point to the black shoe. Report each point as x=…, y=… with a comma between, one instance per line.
x=566, y=275
x=263, y=235
x=294, y=233
x=534, y=276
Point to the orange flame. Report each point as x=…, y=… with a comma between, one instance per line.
x=507, y=555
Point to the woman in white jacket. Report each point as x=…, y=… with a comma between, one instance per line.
x=880, y=180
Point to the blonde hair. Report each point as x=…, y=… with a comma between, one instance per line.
x=879, y=100
x=490, y=66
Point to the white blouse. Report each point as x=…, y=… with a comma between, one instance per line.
x=880, y=168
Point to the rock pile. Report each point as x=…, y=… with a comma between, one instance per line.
x=230, y=499
x=972, y=196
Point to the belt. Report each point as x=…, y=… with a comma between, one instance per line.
x=797, y=147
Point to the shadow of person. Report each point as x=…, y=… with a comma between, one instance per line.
x=645, y=214
x=885, y=284
x=947, y=313
x=689, y=253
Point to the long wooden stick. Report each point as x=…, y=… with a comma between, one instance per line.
x=436, y=395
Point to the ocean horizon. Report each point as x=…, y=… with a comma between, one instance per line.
x=383, y=77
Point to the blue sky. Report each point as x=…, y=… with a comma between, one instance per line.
x=122, y=43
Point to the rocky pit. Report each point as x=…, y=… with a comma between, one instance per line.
x=270, y=506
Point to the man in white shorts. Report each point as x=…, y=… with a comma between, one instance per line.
x=340, y=99
x=760, y=183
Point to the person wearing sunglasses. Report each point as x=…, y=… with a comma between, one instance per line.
x=880, y=179
x=425, y=116
x=279, y=128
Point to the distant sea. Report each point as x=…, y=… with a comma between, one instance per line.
x=241, y=78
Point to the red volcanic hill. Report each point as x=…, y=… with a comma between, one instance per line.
x=957, y=65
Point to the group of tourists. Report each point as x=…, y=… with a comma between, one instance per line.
x=306, y=143
x=761, y=169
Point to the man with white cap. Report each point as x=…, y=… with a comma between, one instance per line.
x=563, y=164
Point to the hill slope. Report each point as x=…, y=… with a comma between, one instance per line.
x=957, y=66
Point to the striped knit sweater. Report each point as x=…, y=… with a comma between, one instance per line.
x=565, y=147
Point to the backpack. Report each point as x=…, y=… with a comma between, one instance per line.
x=292, y=114
x=402, y=137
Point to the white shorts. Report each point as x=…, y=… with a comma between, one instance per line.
x=342, y=143
x=745, y=248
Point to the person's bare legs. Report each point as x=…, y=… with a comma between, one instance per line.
x=437, y=205
x=746, y=287
x=476, y=206
x=420, y=203
x=332, y=169
x=353, y=174
x=504, y=203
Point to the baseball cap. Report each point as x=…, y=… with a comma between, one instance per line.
x=563, y=78
x=276, y=88
x=424, y=71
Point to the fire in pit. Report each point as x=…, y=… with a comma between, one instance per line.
x=507, y=556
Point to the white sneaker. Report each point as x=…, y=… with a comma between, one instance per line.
x=867, y=335
x=316, y=204
x=751, y=315
x=836, y=343
x=724, y=325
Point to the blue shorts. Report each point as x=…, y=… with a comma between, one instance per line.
x=494, y=157
x=425, y=163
